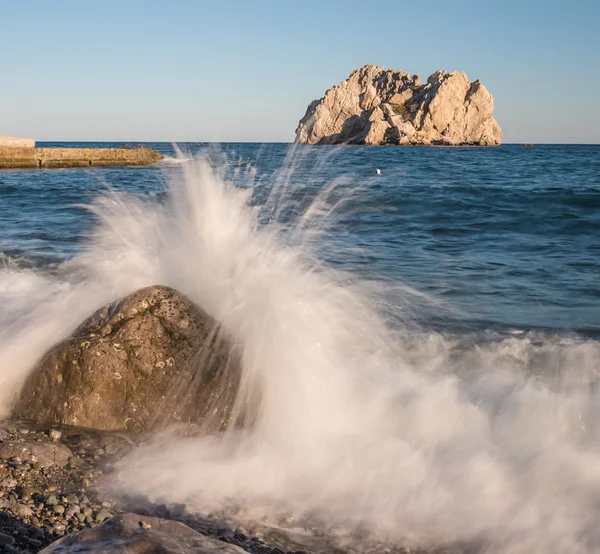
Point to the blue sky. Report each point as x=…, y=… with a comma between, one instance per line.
x=246, y=70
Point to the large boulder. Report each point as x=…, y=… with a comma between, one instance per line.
x=134, y=534
x=379, y=106
x=144, y=362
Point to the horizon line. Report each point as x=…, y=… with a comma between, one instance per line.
x=520, y=143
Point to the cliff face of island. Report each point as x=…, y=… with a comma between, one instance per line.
x=379, y=106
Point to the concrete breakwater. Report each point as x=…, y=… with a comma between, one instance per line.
x=12, y=157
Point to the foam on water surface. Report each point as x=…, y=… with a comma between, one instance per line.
x=366, y=419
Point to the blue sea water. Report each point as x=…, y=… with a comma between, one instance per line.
x=508, y=238
x=481, y=380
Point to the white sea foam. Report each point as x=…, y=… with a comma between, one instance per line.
x=404, y=431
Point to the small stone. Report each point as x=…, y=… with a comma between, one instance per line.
x=80, y=517
x=51, y=500
x=72, y=499
x=74, y=524
x=35, y=543
x=28, y=492
x=89, y=520
x=55, y=434
x=21, y=510
x=85, y=483
x=24, y=431
x=102, y=515
x=75, y=462
x=6, y=540
x=86, y=511
x=72, y=510
x=8, y=484
x=58, y=528
x=36, y=465
x=36, y=532
x=58, y=509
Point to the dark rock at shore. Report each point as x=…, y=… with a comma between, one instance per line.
x=144, y=362
x=44, y=454
x=132, y=533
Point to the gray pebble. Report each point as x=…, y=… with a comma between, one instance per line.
x=76, y=461
x=6, y=540
x=36, y=532
x=8, y=483
x=102, y=515
x=55, y=434
x=58, y=509
x=72, y=510
x=20, y=510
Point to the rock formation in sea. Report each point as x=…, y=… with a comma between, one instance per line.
x=379, y=106
x=147, y=361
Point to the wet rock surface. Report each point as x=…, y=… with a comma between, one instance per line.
x=156, y=359
x=149, y=360
x=47, y=487
x=134, y=533
x=42, y=454
x=40, y=505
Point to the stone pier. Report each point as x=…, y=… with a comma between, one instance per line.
x=17, y=153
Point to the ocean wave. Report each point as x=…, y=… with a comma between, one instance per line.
x=367, y=418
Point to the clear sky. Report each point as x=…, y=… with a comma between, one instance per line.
x=229, y=70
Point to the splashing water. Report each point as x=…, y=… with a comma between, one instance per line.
x=413, y=435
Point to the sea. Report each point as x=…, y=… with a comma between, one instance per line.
x=426, y=339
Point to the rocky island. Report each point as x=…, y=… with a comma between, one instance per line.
x=378, y=106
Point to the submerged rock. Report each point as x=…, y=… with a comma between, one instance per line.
x=152, y=359
x=379, y=106
x=132, y=533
